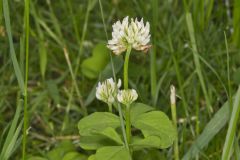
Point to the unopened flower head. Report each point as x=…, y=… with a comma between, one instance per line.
x=127, y=96
x=134, y=34
x=107, y=90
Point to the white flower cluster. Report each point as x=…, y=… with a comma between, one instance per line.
x=134, y=34
x=127, y=96
x=108, y=92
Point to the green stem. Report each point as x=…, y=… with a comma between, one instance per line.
x=122, y=126
x=25, y=124
x=153, y=72
x=127, y=111
x=110, y=107
x=125, y=72
x=128, y=123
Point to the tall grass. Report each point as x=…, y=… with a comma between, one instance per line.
x=15, y=63
x=236, y=22
x=228, y=145
x=212, y=128
x=25, y=116
x=235, y=108
x=180, y=84
x=12, y=139
x=42, y=49
x=197, y=61
x=153, y=55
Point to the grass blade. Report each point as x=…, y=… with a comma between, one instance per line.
x=42, y=47
x=209, y=6
x=9, y=139
x=236, y=22
x=232, y=127
x=14, y=139
x=180, y=83
x=12, y=50
x=197, y=61
x=218, y=121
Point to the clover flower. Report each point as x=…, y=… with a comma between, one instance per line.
x=134, y=34
x=127, y=96
x=107, y=90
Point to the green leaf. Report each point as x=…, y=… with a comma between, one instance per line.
x=74, y=156
x=92, y=66
x=95, y=142
x=101, y=51
x=53, y=91
x=36, y=158
x=150, y=154
x=112, y=153
x=156, y=123
x=56, y=153
x=148, y=142
x=112, y=134
x=97, y=122
x=59, y=152
x=137, y=109
x=92, y=157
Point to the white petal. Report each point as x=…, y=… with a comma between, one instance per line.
x=119, y=83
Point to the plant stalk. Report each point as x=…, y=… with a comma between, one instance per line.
x=128, y=123
x=110, y=107
x=125, y=72
x=127, y=111
x=25, y=117
x=174, y=119
x=123, y=126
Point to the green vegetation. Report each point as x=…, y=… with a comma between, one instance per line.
x=53, y=54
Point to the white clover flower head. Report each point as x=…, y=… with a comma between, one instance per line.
x=127, y=96
x=107, y=90
x=134, y=34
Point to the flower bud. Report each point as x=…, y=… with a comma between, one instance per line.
x=127, y=96
x=107, y=90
